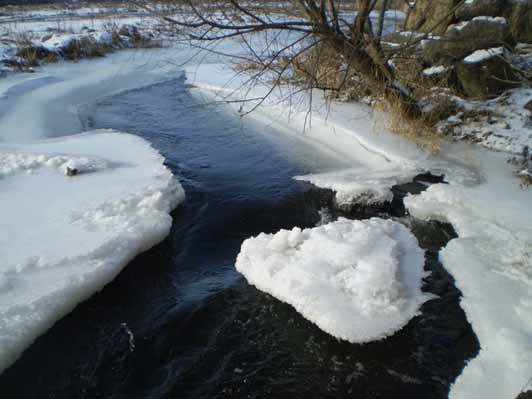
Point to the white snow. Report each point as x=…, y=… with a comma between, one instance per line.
x=361, y=185
x=491, y=261
x=356, y=280
x=63, y=238
x=483, y=54
x=502, y=124
x=484, y=202
x=435, y=70
x=488, y=19
x=484, y=19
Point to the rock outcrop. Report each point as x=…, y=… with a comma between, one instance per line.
x=472, y=40
x=486, y=73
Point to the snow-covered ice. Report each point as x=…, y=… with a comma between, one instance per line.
x=491, y=261
x=362, y=186
x=483, y=201
x=356, y=280
x=63, y=238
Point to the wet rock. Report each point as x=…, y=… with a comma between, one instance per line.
x=528, y=106
x=486, y=73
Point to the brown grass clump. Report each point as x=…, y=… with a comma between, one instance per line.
x=85, y=47
x=419, y=130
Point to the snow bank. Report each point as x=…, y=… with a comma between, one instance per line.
x=361, y=185
x=491, y=262
x=483, y=201
x=63, y=238
x=356, y=280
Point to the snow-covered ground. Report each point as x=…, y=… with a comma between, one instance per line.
x=54, y=33
x=491, y=258
x=65, y=237
x=501, y=124
x=357, y=280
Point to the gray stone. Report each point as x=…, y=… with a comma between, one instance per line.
x=477, y=8
x=466, y=37
x=71, y=171
x=431, y=16
x=488, y=77
x=520, y=17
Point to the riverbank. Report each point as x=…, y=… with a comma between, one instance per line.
x=491, y=257
x=483, y=200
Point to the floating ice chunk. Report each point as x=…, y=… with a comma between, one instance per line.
x=62, y=239
x=361, y=186
x=356, y=280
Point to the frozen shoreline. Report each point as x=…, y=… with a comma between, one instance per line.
x=67, y=237
x=491, y=260
x=483, y=201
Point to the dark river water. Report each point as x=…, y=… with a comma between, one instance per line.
x=180, y=322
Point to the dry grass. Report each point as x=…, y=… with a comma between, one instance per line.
x=419, y=130
x=85, y=47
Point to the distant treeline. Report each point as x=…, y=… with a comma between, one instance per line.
x=29, y=2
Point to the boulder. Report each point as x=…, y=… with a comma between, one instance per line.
x=486, y=73
x=476, y=8
x=463, y=38
x=520, y=17
x=440, y=75
x=431, y=16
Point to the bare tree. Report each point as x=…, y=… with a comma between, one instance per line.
x=342, y=34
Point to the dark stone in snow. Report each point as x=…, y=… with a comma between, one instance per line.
x=525, y=395
x=71, y=171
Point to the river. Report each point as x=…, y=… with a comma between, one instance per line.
x=179, y=321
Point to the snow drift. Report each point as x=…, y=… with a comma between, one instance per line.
x=63, y=238
x=356, y=280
